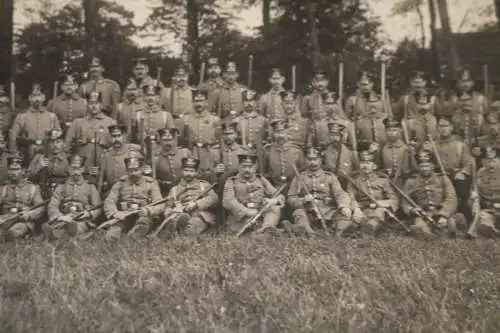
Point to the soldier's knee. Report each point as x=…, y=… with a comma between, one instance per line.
x=195, y=227
x=460, y=221
x=113, y=232
x=75, y=229
x=299, y=213
x=19, y=230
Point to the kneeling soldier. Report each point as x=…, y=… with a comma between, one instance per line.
x=21, y=202
x=247, y=193
x=366, y=212
x=72, y=208
x=129, y=194
x=191, y=203
x=322, y=189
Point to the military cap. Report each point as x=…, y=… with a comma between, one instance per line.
x=94, y=96
x=424, y=156
x=131, y=85
x=229, y=126
x=312, y=153
x=288, y=96
x=444, y=118
x=278, y=125
x=320, y=74
x=276, y=73
x=69, y=80
x=365, y=80
x=249, y=95
x=76, y=160
x=366, y=156
x=95, y=62
x=199, y=95
x=213, y=62
x=490, y=152
x=54, y=134
x=134, y=161
x=247, y=157
x=190, y=163
x=336, y=127
x=328, y=97
x=391, y=122
x=116, y=129
x=140, y=62
x=167, y=134
x=418, y=80
x=15, y=162
x=151, y=90
x=231, y=67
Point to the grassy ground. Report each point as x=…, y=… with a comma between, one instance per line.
x=258, y=284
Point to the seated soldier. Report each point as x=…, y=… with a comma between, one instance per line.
x=75, y=198
x=192, y=212
x=486, y=201
x=247, y=193
x=368, y=214
x=21, y=203
x=133, y=192
x=320, y=188
x=434, y=196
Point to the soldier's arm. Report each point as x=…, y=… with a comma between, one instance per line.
x=50, y=105
x=95, y=200
x=15, y=132
x=230, y=202
x=293, y=195
x=110, y=208
x=209, y=200
x=349, y=107
x=390, y=195
x=449, y=204
x=36, y=200
x=55, y=202
x=466, y=160
x=263, y=106
x=155, y=196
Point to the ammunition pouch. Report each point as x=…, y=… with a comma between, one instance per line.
x=126, y=206
x=72, y=207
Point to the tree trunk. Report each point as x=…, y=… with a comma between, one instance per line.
x=435, y=68
x=497, y=11
x=423, y=41
x=448, y=37
x=91, y=11
x=314, y=34
x=6, y=41
x=266, y=17
x=193, y=37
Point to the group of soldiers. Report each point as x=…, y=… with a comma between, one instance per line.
x=162, y=161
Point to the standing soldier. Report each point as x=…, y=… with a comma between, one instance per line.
x=396, y=158
x=251, y=125
x=213, y=84
x=320, y=136
x=271, y=105
x=69, y=105
x=143, y=79
x=7, y=115
x=423, y=123
x=126, y=111
x=319, y=192
x=30, y=127
x=357, y=106
x=75, y=198
x=88, y=136
x=247, y=193
x=433, y=195
x=22, y=199
x=465, y=86
x=230, y=98
x=226, y=153
x=486, y=201
x=312, y=106
x=169, y=159
x=112, y=166
x=281, y=155
x=52, y=163
x=407, y=106
x=490, y=130
x=179, y=97
x=338, y=158
x=368, y=214
x=193, y=214
x=109, y=89
x=298, y=127
x=370, y=129
x=132, y=192
x=467, y=121
x=201, y=132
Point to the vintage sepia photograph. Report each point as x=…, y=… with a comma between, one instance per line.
x=249, y=166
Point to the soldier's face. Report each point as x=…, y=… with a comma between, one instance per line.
x=248, y=170
x=445, y=128
x=231, y=77
x=57, y=146
x=69, y=89
x=288, y=107
x=134, y=172
x=4, y=100
x=75, y=172
x=492, y=117
x=230, y=137
x=117, y=140
x=181, y=80
x=426, y=169
x=152, y=100
x=95, y=70
x=94, y=107
x=335, y=137
x=331, y=108
x=167, y=142
x=214, y=71
x=280, y=137
x=15, y=175
x=366, y=89
x=392, y=134
x=465, y=86
x=140, y=72
x=249, y=105
x=37, y=100
x=276, y=82
x=131, y=94
x=320, y=84
x=189, y=174
x=491, y=163
x=200, y=104
x=423, y=107
x=313, y=164
x=366, y=166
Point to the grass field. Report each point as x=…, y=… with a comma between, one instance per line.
x=256, y=284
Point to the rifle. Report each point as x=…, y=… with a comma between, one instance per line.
x=472, y=231
x=264, y=209
x=79, y=216
x=181, y=203
x=317, y=212
x=202, y=72
x=45, y=171
x=141, y=134
x=373, y=200
x=96, y=157
x=250, y=69
x=11, y=220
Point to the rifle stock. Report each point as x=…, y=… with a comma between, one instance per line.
x=11, y=220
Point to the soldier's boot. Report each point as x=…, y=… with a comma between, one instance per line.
x=52, y=234
x=370, y=226
x=302, y=227
x=461, y=224
x=420, y=228
x=170, y=231
x=452, y=227
x=113, y=233
x=195, y=227
x=271, y=220
x=345, y=227
x=18, y=230
x=76, y=228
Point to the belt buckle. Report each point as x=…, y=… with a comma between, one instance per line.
x=252, y=205
x=151, y=137
x=68, y=123
x=199, y=144
x=134, y=206
x=13, y=210
x=38, y=142
x=73, y=209
x=283, y=178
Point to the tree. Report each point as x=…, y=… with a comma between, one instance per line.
x=91, y=13
x=444, y=16
x=6, y=39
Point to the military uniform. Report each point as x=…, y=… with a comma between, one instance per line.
x=370, y=127
x=407, y=106
x=4, y=154
x=270, y=105
x=129, y=194
x=434, y=194
x=70, y=105
x=467, y=122
x=312, y=104
x=7, y=115
x=422, y=123
x=126, y=112
x=180, y=98
x=143, y=79
x=488, y=194
x=477, y=103
x=298, y=128
x=229, y=98
x=195, y=216
x=71, y=199
x=19, y=197
x=244, y=196
x=226, y=154
x=252, y=126
x=109, y=89
x=359, y=105
x=213, y=84
x=370, y=215
x=337, y=156
x=490, y=130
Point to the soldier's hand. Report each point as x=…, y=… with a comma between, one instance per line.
x=358, y=215
x=220, y=168
x=144, y=212
x=271, y=202
x=346, y=211
x=252, y=212
x=44, y=162
x=148, y=170
x=416, y=211
x=120, y=215
x=178, y=209
x=476, y=151
x=374, y=147
x=372, y=205
x=496, y=205
x=85, y=215
x=25, y=216
x=308, y=198
x=65, y=219
x=94, y=171
x=460, y=176
x=442, y=222
x=191, y=206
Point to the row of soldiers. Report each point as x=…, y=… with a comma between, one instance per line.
x=381, y=155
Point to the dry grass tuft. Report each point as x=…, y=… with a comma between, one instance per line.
x=256, y=284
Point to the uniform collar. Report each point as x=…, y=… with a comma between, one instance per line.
x=73, y=96
x=99, y=116
x=171, y=152
x=397, y=144
x=21, y=183
x=80, y=181
x=201, y=114
x=138, y=182
x=316, y=173
x=233, y=146
x=40, y=110
x=153, y=109
x=252, y=114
